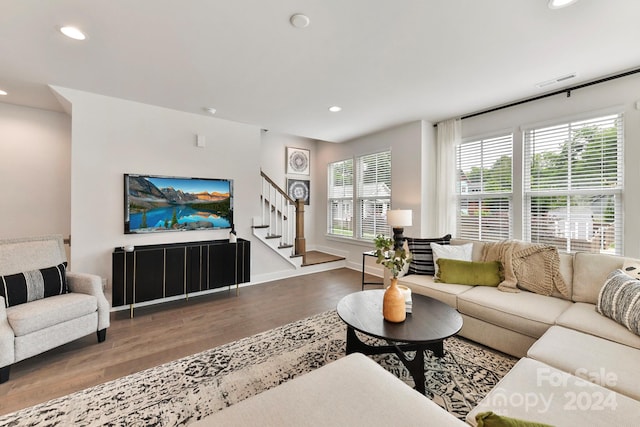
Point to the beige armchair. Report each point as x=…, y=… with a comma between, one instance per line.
x=37, y=311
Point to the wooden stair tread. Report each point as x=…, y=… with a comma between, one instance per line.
x=317, y=257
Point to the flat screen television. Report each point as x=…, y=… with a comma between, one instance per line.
x=162, y=204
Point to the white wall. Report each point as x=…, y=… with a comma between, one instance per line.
x=35, y=175
x=411, y=145
x=111, y=137
x=621, y=94
x=273, y=161
x=413, y=157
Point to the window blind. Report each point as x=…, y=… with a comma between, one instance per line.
x=485, y=190
x=373, y=193
x=340, y=198
x=573, y=185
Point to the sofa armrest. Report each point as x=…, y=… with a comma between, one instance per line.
x=91, y=284
x=7, y=338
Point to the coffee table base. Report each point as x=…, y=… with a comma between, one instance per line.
x=415, y=366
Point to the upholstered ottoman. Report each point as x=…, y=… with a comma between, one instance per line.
x=352, y=391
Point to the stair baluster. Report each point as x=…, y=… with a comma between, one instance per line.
x=283, y=218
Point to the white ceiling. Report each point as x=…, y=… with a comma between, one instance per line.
x=384, y=62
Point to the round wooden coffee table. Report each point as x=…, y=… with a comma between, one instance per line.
x=429, y=324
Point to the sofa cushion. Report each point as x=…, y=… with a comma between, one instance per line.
x=422, y=255
x=607, y=363
x=468, y=272
x=590, y=270
x=30, y=253
x=40, y=314
x=478, y=245
x=425, y=285
x=535, y=391
x=524, y=312
x=33, y=285
x=533, y=267
x=584, y=317
x=566, y=271
x=459, y=252
x=619, y=300
x=566, y=263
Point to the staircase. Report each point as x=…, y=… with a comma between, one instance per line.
x=281, y=224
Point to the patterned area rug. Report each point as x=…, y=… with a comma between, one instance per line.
x=188, y=389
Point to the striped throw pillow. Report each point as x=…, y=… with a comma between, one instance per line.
x=420, y=248
x=619, y=299
x=33, y=285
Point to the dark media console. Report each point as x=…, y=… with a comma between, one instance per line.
x=153, y=272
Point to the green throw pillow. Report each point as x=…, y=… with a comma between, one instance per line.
x=489, y=419
x=469, y=272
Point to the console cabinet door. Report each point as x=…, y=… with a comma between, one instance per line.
x=149, y=275
x=118, y=281
x=122, y=278
x=222, y=265
x=194, y=268
x=175, y=271
x=243, y=270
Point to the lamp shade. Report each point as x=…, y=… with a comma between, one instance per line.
x=399, y=217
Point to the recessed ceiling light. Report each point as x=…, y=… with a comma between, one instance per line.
x=73, y=32
x=210, y=110
x=557, y=4
x=335, y=108
x=299, y=20
x=3, y=92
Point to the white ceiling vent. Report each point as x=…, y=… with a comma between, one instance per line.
x=557, y=80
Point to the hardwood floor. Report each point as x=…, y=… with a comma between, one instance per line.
x=316, y=257
x=165, y=332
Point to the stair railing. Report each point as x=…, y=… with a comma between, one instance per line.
x=283, y=215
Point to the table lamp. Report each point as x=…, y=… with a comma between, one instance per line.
x=398, y=219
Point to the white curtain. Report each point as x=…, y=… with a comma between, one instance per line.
x=449, y=135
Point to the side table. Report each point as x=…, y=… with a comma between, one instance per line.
x=366, y=254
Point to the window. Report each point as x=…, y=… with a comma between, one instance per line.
x=374, y=194
x=367, y=188
x=340, y=203
x=573, y=185
x=485, y=188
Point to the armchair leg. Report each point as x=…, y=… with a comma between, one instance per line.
x=4, y=374
x=102, y=335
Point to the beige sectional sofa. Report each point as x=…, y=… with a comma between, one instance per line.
x=577, y=367
x=562, y=341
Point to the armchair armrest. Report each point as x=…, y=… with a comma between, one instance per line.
x=7, y=337
x=91, y=284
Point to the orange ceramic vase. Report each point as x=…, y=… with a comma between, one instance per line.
x=393, y=306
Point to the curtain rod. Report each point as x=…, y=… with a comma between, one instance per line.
x=546, y=95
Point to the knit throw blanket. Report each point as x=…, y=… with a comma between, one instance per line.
x=530, y=266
